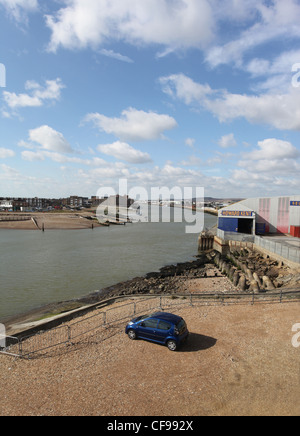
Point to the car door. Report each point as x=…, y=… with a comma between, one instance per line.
x=163, y=331
x=147, y=329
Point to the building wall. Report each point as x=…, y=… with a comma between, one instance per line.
x=228, y=224
x=278, y=213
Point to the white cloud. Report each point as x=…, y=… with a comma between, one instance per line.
x=33, y=156
x=273, y=149
x=49, y=139
x=134, y=125
x=227, y=141
x=192, y=161
x=41, y=155
x=6, y=153
x=273, y=75
x=21, y=100
x=171, y=23
x=37, y=96
x=281, y=111
x=18, y=9
x=190, y=142
x=123, y=151
x=273, y=156
x=274, y=21
x=184, y=88
x=117, y=56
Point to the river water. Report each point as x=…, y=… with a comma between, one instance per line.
x=39, y=268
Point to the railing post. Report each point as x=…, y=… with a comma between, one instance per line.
x=20, y=348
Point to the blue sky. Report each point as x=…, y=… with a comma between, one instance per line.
x=188, y=93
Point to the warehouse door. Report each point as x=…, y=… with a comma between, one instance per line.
x=245, y=226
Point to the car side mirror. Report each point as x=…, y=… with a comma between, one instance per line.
x=142, y=324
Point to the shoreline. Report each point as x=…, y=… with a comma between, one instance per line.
x=180, y=278
x=68, y=220
x=199, y=276
x=48, y=221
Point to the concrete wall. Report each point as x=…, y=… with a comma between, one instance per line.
x=225, y=240
x=291, y=254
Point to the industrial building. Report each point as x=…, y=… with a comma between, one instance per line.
x=269, y=224
x=260, y=216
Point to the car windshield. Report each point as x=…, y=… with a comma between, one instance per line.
x=139, y=318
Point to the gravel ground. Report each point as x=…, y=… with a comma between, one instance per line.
x=239, y=360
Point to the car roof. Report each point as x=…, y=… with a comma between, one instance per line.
x=166, y=316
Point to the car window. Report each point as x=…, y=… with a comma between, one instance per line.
x=181, y=325
x=151, y=323
x=162, y=325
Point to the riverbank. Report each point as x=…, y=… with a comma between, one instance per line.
x=197, y=276
x=200, y=276
x=49, y=221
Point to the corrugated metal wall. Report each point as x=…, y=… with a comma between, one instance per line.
x=278, y=213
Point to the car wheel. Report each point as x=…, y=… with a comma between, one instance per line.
x=172, y=345
x=132, y=334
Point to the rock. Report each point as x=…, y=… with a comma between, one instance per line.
x=257, y=279
x=267, y=283
x=254, y=287
x=236, y=278
x=242, y=283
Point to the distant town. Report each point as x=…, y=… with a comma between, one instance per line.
x=36, y=204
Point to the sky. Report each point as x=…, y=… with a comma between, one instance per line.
x=160, y=93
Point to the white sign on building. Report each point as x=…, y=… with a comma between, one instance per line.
x=5, y=204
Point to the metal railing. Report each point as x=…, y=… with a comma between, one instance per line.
x=33, y=345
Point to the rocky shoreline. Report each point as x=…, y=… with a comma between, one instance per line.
x=168, y=280
x=243, y=271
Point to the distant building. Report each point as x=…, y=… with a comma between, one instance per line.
x=72, y=202
x=6, y=204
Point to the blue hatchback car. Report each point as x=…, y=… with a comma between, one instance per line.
x=160, y=327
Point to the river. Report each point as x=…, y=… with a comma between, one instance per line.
x=39, y=268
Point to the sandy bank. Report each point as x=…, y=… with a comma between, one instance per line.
x=48, y=221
